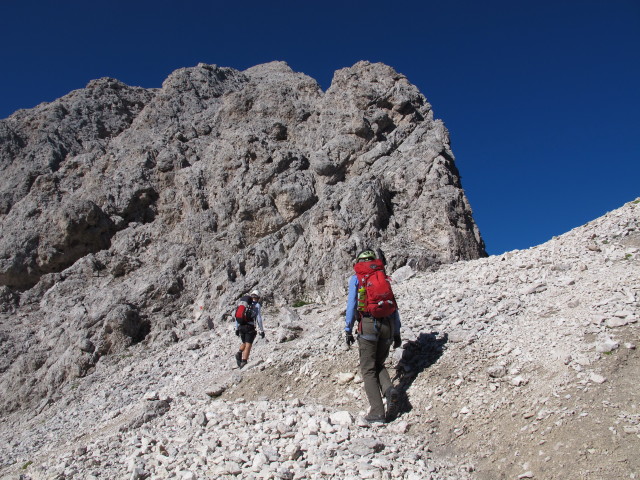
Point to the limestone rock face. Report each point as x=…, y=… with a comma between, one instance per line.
x=132, y=214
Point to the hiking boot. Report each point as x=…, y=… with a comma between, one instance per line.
x=393, y=403
x=242, y=364
x=239, y=358
x=370, y=418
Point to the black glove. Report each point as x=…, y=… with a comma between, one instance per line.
x=261, y=334
x=237, y=332
x=397, y=341
x=349, y=339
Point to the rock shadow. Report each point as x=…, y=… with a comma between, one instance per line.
x=417, y=355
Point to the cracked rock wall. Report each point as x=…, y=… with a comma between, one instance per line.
x=132, y=214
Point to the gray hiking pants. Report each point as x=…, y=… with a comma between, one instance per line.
x=374, y=340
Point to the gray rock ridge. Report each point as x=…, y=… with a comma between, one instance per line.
x=136, y=215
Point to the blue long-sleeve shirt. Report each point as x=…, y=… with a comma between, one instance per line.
x=352, y=302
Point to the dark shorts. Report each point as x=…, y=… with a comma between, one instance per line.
x=247, y=333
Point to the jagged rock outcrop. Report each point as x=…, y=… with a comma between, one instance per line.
x=133, y=214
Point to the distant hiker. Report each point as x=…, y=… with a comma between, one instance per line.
x=371, y=303
x=248, y=314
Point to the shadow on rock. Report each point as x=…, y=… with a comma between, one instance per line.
x=417, y=355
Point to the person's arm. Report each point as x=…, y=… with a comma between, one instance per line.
x=259, y=317
x=397, y=339
x=396, y=322
x=352, y=299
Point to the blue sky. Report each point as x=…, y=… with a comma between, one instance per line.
x=542, y=98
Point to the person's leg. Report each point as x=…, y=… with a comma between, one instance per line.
x=367, y=350
x=239, y=355
x=382, y=352
x=370, y=377
x=247, y=338
x=246, y=351
x=242, y=331
x=386, y=386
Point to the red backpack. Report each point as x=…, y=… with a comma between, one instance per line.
x=244, y=310
x=376, y=285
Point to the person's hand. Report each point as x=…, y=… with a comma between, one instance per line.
x=237, y=332
x=261, y=334
x=397, y=341
x=349, y=339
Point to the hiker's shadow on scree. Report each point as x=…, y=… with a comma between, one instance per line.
x=417, y=355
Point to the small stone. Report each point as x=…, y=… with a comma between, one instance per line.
x=497, y=371
x=616, y=322
x=399, y=427
x=200, y=419
x=80, y=451
x=606, y=345
x=285, y=473
x=328, y=469
x=528, y=474
x=216, y=390
x=538, y=287
x=366, y=446
x=518, y=381
x=86, y=346
x=271, y=453
x=233, y=468
x=341, y=418
x=344, y=378
x=259, y=460
x=459, y=336
x=139, y=474
x=293, y=452
x=151, y=396
x=596, y=378
x=362, y=423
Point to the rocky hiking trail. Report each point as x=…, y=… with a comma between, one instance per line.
x=522, y=365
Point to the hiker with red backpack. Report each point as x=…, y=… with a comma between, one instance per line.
x=371, y=303
x=248, y=314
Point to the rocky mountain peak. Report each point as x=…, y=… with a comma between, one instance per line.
x=134, y=204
